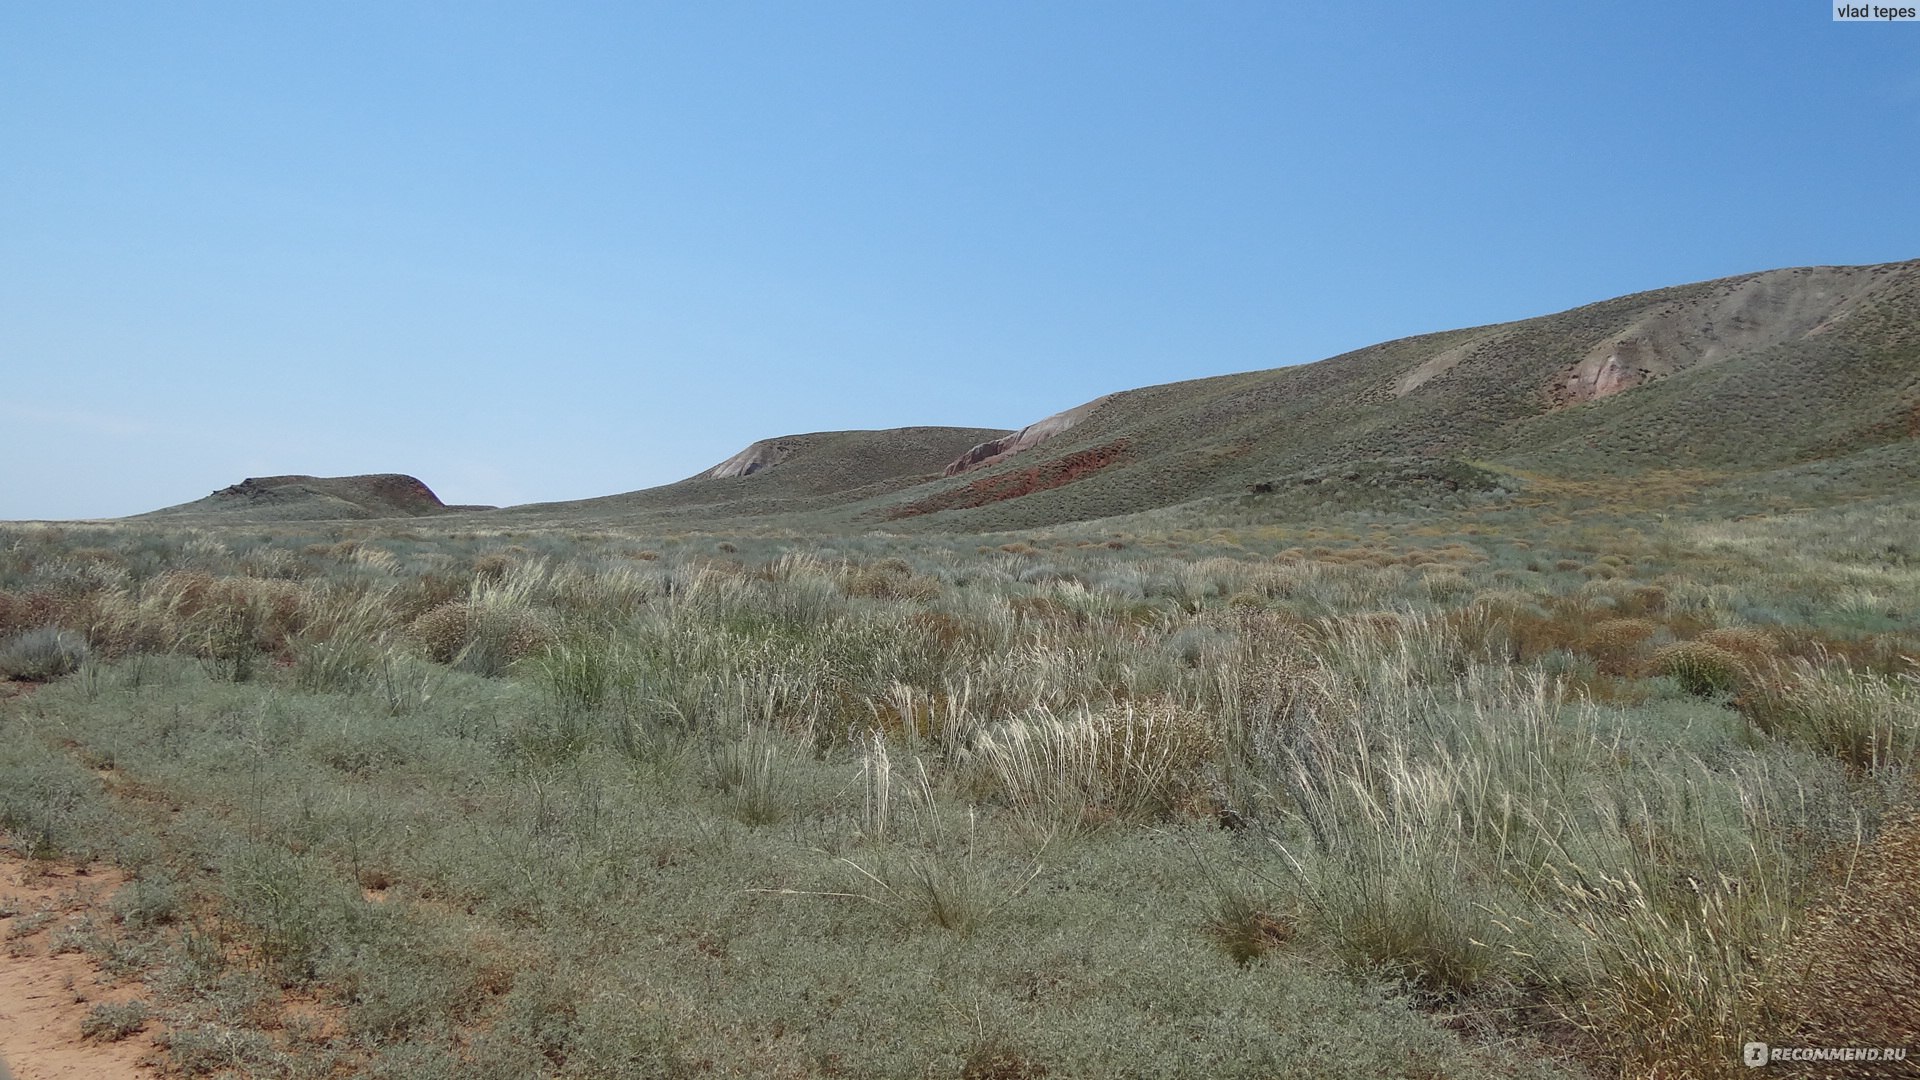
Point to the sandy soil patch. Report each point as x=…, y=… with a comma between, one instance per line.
x=45, y=997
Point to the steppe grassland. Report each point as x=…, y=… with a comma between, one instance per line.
x=1217, y=796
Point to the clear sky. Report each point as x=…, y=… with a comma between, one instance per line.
x=552, y=250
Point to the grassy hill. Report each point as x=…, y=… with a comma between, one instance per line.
x=1813, y=373
x=789, y=475
x=1766, y=371
x=315, y=498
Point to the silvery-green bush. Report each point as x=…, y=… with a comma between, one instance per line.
x=43, y=654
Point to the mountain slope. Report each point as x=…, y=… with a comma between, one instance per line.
x=1762, y=370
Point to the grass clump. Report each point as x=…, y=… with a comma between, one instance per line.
x=482, y=637
x=932, y=871
x=1247, y=926
x=1616, y=644
x=1869, y=722
x=1131, y=763
x=755, y=774
x=1701, y=668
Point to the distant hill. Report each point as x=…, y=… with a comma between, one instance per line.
x=1811, y=375
x=1772, y=371
x=315, y=498
x=792, y=474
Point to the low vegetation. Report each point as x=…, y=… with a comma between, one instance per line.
x=1515, y=792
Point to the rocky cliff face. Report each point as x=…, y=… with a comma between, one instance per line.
x=764, y=454
x=1026, y=438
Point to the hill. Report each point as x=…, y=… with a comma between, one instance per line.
x=315, y=498
x=807, y=474
x=1810, y=376
x=1766, y=371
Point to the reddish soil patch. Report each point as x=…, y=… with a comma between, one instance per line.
x=1000, y=487
x=45, y=997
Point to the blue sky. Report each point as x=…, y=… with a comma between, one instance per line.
x=545, y=251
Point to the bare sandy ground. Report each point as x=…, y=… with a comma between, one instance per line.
x=44, y=997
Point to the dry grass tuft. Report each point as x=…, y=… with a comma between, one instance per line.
x=1851, y=976
x=1616, y=645
x=1701, y=668
x=1867, y=721
x=1750, y=643
x=1139, y=761
x=1248, y=929
x=485, y=638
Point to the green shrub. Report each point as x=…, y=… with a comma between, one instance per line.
x=207, y=1049
x=112, y=1021
x=152, y=899
x=43, y=654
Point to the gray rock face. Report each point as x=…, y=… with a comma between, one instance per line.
x=1742, y=315
x=764, y=454
x=1026, y=438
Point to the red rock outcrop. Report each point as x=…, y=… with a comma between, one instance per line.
x=1000, y=487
